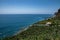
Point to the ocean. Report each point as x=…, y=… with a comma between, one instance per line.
x=12, y=23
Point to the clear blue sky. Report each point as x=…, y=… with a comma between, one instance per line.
x=28, y=6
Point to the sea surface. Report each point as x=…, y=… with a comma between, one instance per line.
x=12, y=23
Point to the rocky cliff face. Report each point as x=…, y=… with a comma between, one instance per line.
x=57, y=14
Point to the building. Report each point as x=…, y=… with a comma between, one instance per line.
x=48, y=23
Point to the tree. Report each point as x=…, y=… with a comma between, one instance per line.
x=58, y=10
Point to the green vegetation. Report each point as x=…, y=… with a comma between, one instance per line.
x=39, y=31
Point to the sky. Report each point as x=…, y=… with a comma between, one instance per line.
x=29, y=6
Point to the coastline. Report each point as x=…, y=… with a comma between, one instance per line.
x=29, y=30
x=24, y=29
x=36, y=31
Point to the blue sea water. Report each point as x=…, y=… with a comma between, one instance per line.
x=12, y=23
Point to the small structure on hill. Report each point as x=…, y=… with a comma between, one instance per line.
x=48, y=24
